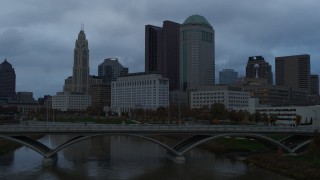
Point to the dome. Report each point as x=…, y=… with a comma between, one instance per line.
x=196, y=19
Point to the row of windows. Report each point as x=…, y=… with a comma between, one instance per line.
x=221, y=93
x=220, y=101
x=134, y=83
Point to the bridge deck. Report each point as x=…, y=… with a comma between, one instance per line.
x=74, y=128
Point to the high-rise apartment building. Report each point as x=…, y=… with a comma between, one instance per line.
x=162, y=51
x=197, y=53
x=80, y=78
x=228, y=76
x=314, y=84
x=7, y=80
x=293, y=71
x=257, y=67
x=110, y=69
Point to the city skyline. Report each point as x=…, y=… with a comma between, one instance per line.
x=39, y=41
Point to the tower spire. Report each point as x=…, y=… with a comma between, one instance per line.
x=82, y=27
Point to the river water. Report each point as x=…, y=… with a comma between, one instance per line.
x=123, y=157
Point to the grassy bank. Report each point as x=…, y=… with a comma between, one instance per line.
x=305, y=166
x=299, y=167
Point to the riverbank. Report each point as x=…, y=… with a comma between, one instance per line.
x=299, y=167
x=305, y=166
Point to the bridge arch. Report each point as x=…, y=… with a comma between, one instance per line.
x=83, y=138
x=184, y=146
x=28, y=142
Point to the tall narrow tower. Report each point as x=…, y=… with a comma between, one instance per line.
x=7, y=80
x=80, y=78
x=197, y=53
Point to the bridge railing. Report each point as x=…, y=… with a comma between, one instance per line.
x=91, y=128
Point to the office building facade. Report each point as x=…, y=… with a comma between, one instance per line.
x=293, y=71
x=71, y=102
x=162, y=51
x=228, y=76
x=257, y=67
x=231, y=97
x=7, y=80
x=110, y=69
x=197, y=53
x=139, y=90
x=100, y=95
x=314, y=84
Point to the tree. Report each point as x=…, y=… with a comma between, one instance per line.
x=264, y=118
x=218, y=110
x=273, y=118
x=234, y=116
x=298, y=119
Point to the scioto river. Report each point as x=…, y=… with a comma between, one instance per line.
x=123, y=157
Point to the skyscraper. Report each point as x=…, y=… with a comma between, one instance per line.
x=314, y=84
x=293, y=71
x=257, y=67
x=228, y=76
x=7, y=80
x=197, y=53
x=110, y=69
x=80, y=78
x=162, y=51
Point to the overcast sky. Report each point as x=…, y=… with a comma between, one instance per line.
x=38, y=36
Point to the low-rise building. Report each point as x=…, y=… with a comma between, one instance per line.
x=231, y=97
x=287, y=115
x=139, y=90
x=71, y=101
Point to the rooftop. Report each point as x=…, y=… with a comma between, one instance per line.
x=197, y=19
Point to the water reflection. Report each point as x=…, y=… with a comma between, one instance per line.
x=122, y=157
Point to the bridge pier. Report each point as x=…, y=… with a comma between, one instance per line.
x=177, y=159
x=50, y=161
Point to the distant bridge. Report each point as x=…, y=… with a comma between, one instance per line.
x=198, y=134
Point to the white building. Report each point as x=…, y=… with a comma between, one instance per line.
x=65, y=101
x=231, y=97
x=287, y=115
x=139, y=90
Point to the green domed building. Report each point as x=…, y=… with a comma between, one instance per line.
x=197, y=53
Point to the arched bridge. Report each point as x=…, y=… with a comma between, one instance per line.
x=198, y=135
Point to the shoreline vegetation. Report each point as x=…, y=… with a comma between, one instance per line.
x=305, y=166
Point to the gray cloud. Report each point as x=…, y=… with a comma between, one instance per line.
x=38, y=36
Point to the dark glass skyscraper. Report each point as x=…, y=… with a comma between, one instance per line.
x=162, y=51
x=7, y=80
x=110, y=69
x=314, y=84
x=293, y=71
x=257, y=67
